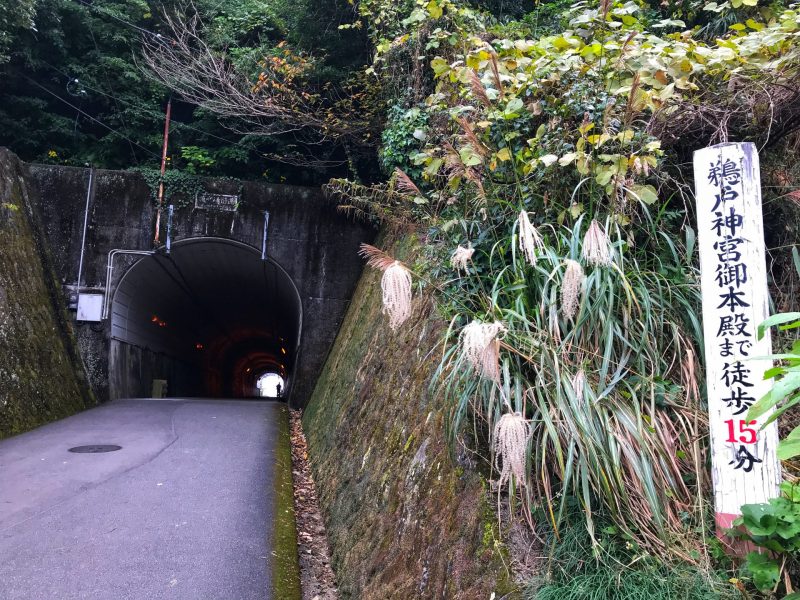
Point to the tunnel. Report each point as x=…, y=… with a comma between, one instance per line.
x=207, y=319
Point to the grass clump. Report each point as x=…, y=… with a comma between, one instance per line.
x=605, y=582
x=616, y=568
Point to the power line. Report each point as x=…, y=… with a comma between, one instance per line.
x=122, y=120
x=239, y=143
x=87, y=115
x=140, y=106
x=120, y=19
x=217, y=6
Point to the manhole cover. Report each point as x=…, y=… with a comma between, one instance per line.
x=95, y=449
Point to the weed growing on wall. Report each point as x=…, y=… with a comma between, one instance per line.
x=181, y=188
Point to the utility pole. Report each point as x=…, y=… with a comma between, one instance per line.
x=163, y=170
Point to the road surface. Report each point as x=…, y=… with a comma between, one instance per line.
x=182, y=511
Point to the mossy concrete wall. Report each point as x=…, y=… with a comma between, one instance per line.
x=41, y=375
x=404, y=519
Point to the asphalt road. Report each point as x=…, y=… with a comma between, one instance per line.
x=183, y=511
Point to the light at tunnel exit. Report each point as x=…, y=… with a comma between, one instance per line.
x=268, y=385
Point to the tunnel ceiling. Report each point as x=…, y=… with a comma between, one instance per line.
x=214, y=303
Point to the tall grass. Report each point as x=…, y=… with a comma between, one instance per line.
x=623, y=574
x=626, y=441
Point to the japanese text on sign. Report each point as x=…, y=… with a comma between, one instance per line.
x=218, y=202
x=734, y=288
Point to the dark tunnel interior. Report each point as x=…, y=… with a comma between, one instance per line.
x=211, y=318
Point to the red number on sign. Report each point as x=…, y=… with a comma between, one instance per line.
x=746, y=435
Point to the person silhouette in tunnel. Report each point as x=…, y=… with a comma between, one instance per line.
x=279, y=390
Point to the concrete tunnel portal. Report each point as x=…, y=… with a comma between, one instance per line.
x=210, y=318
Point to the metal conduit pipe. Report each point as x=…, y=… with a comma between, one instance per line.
x=85, y=226
x=110, y=271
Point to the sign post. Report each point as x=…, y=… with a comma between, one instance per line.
x=745, y=468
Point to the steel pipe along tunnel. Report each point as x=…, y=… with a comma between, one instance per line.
x=210, y=319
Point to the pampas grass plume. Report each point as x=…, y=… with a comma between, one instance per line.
x=395, y=284
x=529, y=239
x=481, y=347
x=461, y=257
x=511, y=435
x=571, y=289
x=596, y=246
x=405, y=184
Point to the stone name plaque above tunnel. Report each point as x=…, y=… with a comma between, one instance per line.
x=220, y=202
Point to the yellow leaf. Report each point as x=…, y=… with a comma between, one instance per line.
x=655, y=145
x=626, y=136
x=503, y=155
x=561, y=44
x=473, y=62
x=439, y=66
x=434, y=10
x=598, y=140
x=604, y=174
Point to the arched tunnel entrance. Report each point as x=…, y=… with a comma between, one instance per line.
x=209, y=319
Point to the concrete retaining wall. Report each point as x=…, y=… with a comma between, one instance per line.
x=404, y=518
x=41, y=375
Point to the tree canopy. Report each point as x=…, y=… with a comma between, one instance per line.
x=75, y=89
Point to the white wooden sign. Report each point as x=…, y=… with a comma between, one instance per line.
x=745, y=469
